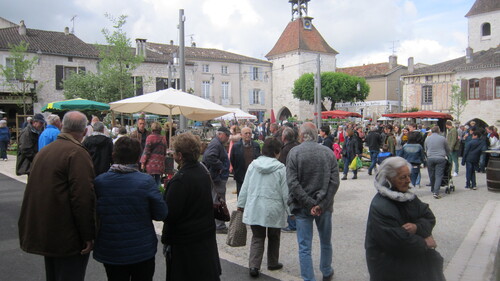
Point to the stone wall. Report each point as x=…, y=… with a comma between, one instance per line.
x=478, y=42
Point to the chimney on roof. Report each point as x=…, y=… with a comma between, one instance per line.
x=193, y=44
x=468, y=54
x=22, y=28
x=140, y=49
x=393, y=61
x=411, y=65
x=172, y=42
x=66, y=30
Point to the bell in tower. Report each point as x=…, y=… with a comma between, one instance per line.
x=299, y=8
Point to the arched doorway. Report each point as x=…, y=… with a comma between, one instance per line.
x=479, y=123
x=284, y=113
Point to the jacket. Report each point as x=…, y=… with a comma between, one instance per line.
x=413, y=153
x=127, y=202
x=264, y=193
x=100, y=148
x=48, y=135
x=238, y=158
x=473, y=150
x=285, y=149
x=392, y=253
x=452, y=139
x=4, y=134
x=139, y=136
x=374, y=141
x=436, y=146
x=312, y=175
x=153, y=156
x=351, y=147
x=27, y=149
x=390, y=140
x=216, y=159
x=58, y=209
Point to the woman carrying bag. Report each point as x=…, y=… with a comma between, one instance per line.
x=263, y=198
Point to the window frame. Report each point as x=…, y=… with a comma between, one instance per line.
x=496, y=92
x=483, y=26
x=427, y=94
x=205, y=89
x=224, y=69
x=205, y=68
x=224, y=90
x=475, y=89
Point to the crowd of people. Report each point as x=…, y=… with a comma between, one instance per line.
x=102, y=194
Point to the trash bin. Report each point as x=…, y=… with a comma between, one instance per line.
x=493, y=171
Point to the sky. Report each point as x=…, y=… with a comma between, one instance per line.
x=362, y=31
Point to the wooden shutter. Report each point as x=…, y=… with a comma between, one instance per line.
x=139, y=90
x=262, y=97
x=159, y=84
x=482, y=89
x=490, y=88
x=59, y=77
x=250, y=96
x=464, y=84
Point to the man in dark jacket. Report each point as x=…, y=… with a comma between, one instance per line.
x=141, y=133
x=289, y=140
x=58, y=209
x=470, y=160
x=217, y=162
x=324, y=137
x=100, y=148
x=374, y=142
x=28, y=144
x=242, y=154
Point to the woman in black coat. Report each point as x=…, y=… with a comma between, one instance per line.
x=350, y=150
x=188, y=236
x=399, y=243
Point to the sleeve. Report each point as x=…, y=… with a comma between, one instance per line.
x=157, y=205
x=466, y=152
x=426, y=221
x=147, y=151
x=26, y=146
x=391, y=237
x=284, y=189
x=333, y=186
x=454, y=138
x=81, y=193
x=176, y=197
x=295, y=189
x=232, y=159
x=211, y=158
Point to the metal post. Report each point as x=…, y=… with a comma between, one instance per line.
x=182, y=63
x=318, y=93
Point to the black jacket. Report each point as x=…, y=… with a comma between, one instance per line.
x=27, y=149
x=327, y=141
x=285, y=149
x=216, y=159
x=238, y=159
x=100, y=148
x=374, y=141
x=351, y=147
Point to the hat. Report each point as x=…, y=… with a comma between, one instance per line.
x=38, y=118
x=224, y=130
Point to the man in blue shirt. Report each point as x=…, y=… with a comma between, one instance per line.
x=51, y=131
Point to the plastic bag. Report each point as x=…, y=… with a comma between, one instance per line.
x=356, y=163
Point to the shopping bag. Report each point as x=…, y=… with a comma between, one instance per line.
x=359, y=163
x=237, y=231
x=353, y=165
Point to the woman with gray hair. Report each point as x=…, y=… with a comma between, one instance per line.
x=399, y=243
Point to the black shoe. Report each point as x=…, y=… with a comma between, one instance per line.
x=369, y=173
x=328, y=278
x=275, y=267
x=221, y=231
x=354, y=177
x=344, y=178
x=254, y=272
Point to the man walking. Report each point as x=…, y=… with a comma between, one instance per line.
x=437, y=150
x=453, y=144
x=289, y=140
x=100, y=148
x=216, y=160
x=242, y=154
x=28, y=144
x=141, y=133
x=57, y=213
x=374, y=142
x=313, y=180
x=51, y=131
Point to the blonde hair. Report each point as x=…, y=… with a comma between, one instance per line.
x=156, y=127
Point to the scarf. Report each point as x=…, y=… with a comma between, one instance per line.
x=124, y=168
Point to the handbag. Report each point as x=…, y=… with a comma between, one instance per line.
x=221, y=212
x=237, y=231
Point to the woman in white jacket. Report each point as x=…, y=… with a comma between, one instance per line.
x=263, y=198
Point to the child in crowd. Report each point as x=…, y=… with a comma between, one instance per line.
x=470, y=159
x=384, y=154
x=337, y=149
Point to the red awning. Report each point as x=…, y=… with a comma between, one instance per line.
x=420, y=114
x=338, y=114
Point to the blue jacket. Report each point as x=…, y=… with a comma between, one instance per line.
x=126, y=205
x=216, y=160
x=47, y=136
x=473, y=150
x=4, y=134
x=413, y=153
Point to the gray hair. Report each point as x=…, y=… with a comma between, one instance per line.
x=389, y=167
x=374, y=128
x=74, y=122
x=435, y=129
x=308, y=132
x=98, y=127
x=3, y=123
x=288, y=134
x=52, y=119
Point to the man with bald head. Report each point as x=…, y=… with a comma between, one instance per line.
x=58, y=209
x=242, y=154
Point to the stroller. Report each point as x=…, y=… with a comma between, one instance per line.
x=447, y=178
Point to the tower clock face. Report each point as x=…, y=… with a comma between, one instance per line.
x=307, y=24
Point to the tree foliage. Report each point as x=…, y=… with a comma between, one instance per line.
x=335, y=87
x=18, y=75
x=116, y=63
x=458, y=102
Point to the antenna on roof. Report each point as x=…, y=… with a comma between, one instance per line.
x=394, y=46
x=191, y=36
x=73, y=28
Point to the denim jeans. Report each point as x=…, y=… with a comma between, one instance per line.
x=482, y=163
x=291, y=223
x=304, y=222
x=436, y=167
x=373, y=157
x=3, y=149
x=347, y=161
x=415, y=173
x=454, y=158
x=470, y=174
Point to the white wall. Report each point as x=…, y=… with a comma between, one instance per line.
x=476, y=41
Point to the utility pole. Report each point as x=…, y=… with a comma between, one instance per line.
x=182, y=62
x=317, y=94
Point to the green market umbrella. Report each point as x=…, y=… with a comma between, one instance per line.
x=75, y=104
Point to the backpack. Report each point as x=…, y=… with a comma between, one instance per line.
x=337, y=150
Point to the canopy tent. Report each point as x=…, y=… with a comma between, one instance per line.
x=75, y=104
x=338, y=114
x=237, y=114
x=420, y=114
x=384, y=119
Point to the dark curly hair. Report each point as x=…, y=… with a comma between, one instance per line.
x=271, y=147
x=126, y=151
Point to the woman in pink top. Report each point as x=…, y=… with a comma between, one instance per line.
x=155, y=150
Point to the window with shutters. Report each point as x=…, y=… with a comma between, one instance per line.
x=223, y=69
x=486, y=29
x=205, y=68
x=205, y=89
x=137, y=81
x=11, y=63
x=256, y=73
x=426, y=94
x=64, y=72
x=225, y=90
x=254, y=96
x=497, y=87
x=474, y=89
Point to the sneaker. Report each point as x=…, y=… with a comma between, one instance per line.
x=254, y=272
x=5, y=159
x=354, y=177
x=474, y=188
x=275, y=267
x=344, y=178
x=437, y=196
x=328, y=278
x=288, y=230
x=455, y=174
x=417, y=186
x=369, y=173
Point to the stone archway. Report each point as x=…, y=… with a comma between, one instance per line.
x=284, y=113
x=479, y=123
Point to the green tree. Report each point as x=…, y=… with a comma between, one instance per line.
x=17, y=74
x=458, y=102
x=116, y=63
x=335, y=87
